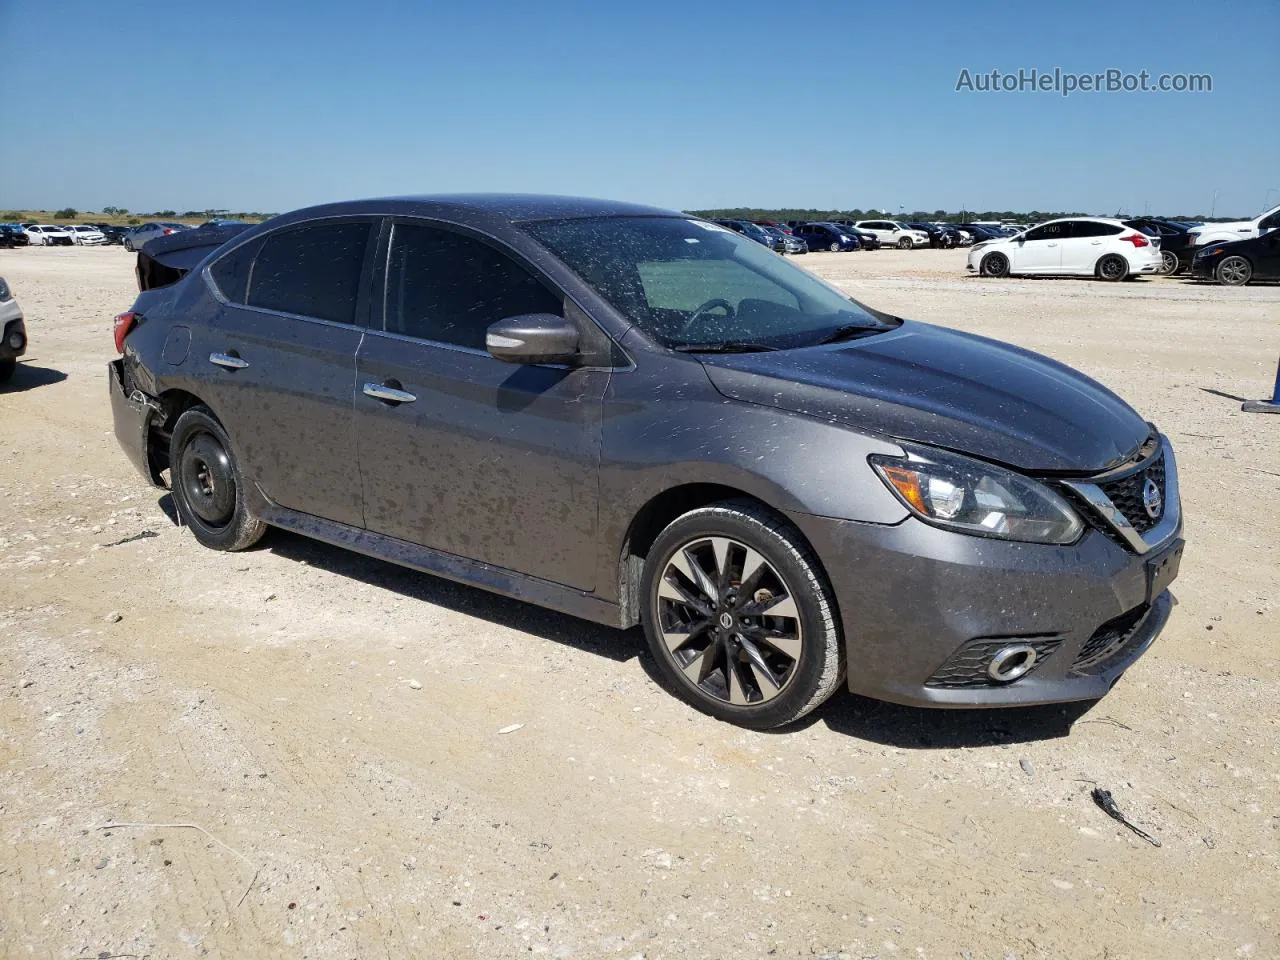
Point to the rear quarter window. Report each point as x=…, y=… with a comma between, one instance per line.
x=230, y=272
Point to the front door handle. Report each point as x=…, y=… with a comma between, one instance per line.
x=228, y=360
x=388, y=393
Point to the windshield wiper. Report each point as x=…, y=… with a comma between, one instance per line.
x=725, y=346
x=850, y=331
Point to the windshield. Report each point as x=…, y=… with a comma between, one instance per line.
x=687, y=283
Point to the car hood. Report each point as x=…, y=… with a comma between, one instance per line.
x=947, y=389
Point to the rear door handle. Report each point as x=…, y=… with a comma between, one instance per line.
x=228, y=360
x=387, y=393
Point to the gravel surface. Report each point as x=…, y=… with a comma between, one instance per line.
x=313, y=754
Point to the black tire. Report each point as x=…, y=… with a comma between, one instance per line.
x=834, y=248
x=793, y=577
x=1168, y=263
x=1233, y=271
x=1112, y=268
x=905, y=243
x=6, y=369
x=994, y=265
x=128, y=245
x=208, y=488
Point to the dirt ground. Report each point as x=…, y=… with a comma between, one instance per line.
x=309, y=749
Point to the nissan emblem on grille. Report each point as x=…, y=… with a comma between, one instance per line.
x=1152, y=501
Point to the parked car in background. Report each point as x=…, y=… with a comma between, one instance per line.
x=139, y=235
x=114, y=233
x=221, y=222
x=12, y=235
x=754, y=232
x=979, y=232
x=48, y=235
x=86, y=236
x=1076, y=246
x=1176, y=248
x=1237, y=262
x=826, y=236
x=789, y=491
x=1237, y=230
x=14, y=331
x=894, y=234
x=931, y=230
x=866, y=239
x=789, y=244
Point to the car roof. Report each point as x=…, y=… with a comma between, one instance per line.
x=508, y=207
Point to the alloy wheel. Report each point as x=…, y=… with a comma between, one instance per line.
x=729, y=621
x=1169, y=264
x=1112, y=268
x=1234, y=271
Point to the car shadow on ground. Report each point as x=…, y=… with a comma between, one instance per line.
x=910, y=728
x=28, y=376
x=502, y=611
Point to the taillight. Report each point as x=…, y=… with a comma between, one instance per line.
x=1138, y=240
x=167, y=231
x=121, y=327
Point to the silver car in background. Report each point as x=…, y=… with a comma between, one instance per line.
x=136, y=237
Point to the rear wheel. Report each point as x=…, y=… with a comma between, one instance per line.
x=1168, y=263
x=207, y=486
x=739, y=616
x=6, y=369
x=1234, y=271
x=995, y=265
x=1112, y=267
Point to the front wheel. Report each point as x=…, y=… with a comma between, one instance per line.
x=905, y=243
x=1112, y=267
x=207, y=486
x=1234, y=271
x=128, y=246
x=1168, y=263
x=834, y=248
x=739, y=616
x=995, y=265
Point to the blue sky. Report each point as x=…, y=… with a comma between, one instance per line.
x=273, y=105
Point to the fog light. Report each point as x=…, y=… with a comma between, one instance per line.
x=1011, y=662
x=16, y=340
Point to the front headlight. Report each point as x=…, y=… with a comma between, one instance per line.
x=955, y=492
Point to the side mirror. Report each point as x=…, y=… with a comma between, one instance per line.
x=532, y=338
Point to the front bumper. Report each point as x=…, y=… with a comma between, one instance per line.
x=14, y=329
x=914, y=600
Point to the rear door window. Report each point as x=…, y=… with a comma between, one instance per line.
x=311, y=271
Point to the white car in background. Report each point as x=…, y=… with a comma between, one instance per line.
x=894, y=234
x=86, y=236
x=1073, y=246
x=1237, y=230
x=48, y=235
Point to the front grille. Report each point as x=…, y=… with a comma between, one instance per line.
x=1126, y=495
x=968, y=666
x=1109, y=641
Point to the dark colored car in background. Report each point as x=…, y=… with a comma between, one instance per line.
x=113, y=233
x=785, y=242
x=754, y=232
x=866, y=239
x=12, y=235
x=826, y=236
x=1176, y=247
x=631, y=415
x=1237, y=262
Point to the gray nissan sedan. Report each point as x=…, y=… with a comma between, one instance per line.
x=636, y=416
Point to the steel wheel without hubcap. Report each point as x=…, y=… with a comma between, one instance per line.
x=1169, y=263
x=1234, y=271
x=208, y=481
x=729, y=621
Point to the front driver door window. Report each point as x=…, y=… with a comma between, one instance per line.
x=490, y=461
x=1041, y=250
